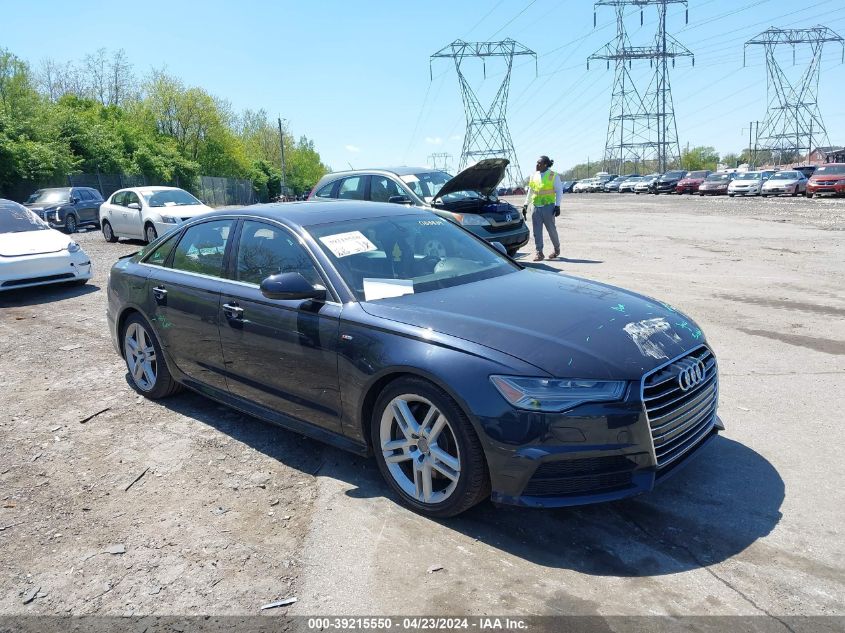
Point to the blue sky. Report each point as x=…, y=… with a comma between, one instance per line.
x=354, y=76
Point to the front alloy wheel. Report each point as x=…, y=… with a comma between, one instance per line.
x=150, y=233
x=427, y=450
x=70, y=224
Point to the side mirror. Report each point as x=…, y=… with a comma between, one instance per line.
x=134, y=205
x=399, y=200
x=291, y=286
x=74, y=199
x=499, y=247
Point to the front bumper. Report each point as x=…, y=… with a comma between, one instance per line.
x=603, y=451
x=833, y=189
x=744, y=191
x=510, y=238
x=707, y=191
x=665, y=188
x=43, y=269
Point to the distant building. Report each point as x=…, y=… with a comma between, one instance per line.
x=822, y=155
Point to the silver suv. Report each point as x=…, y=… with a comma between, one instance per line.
x=468, y=199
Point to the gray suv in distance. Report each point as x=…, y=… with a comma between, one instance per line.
x=67, y=208
x=468, y=199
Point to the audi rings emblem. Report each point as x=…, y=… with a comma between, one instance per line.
x=692, y=375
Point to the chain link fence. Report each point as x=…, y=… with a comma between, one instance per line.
x=213, y=191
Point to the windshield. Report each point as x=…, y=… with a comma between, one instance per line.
x=718, y=177
x=673, y=175
x=827, y=170
x=697, y=174
x=749, y=175
x=786, y=175
x=169, y=198
x=407, y=254
x=49, y=196
x=426, y=185
x=17, y=219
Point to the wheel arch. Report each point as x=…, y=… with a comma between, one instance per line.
x=389, y=376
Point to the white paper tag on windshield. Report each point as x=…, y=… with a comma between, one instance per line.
x=345, y=244
x=375, y=289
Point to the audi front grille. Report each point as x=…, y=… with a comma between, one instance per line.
x=680, y=400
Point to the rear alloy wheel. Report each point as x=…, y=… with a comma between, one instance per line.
x=148, y=372
x=71, y=224
x=427, y=450
x=150, y=233
x=108, y=233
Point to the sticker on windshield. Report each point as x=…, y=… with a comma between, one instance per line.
x=345, y=244
x=375, y=289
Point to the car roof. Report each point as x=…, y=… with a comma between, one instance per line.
x=312, y=213
x=150, y=188
x=403, y=170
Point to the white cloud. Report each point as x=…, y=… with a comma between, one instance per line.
x=433, y=140
x=352, y=148
x=455, y=137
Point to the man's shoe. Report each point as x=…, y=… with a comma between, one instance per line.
x=554, y=255
x=539, y=257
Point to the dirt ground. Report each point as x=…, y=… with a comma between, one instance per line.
x=111, y=504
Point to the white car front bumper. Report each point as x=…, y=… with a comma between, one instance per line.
x=46, y=268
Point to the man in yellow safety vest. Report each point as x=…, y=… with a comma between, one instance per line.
x=545, y=192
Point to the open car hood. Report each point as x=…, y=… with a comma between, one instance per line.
x=482, y=177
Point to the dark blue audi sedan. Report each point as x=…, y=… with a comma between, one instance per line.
x=467, y=375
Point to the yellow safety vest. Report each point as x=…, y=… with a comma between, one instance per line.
x=542, y=187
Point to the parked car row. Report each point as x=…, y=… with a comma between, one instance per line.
x=801, y=180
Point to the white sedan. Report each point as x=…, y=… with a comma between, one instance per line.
x=785, y=182
x=147, y=212
x=33, y=254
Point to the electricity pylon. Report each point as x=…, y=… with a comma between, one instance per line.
x=440, y=161
x=793, y=118
x=487, y=134
x=641, y=125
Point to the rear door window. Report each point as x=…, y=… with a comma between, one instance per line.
x=352, y=188
x=202, y=248
x=326, y=192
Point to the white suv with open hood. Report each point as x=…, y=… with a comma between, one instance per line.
x=468, y=199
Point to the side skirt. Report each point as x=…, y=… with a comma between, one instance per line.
x=274, y=417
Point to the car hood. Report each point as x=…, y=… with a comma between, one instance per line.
x=565, y=326
x=482, y=177
x=781, y=182
x=32, y=243
x=183, y=211
x=41, y=207
x=690, y=181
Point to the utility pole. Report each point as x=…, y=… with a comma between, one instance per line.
x=284, y=182
x=793, y=112
x=641, y=124
x=487, y=134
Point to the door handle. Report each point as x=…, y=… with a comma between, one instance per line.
x=160, y=293
x=233, y=311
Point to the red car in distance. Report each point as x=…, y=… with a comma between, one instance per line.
x=828, y=178
x=692, y=181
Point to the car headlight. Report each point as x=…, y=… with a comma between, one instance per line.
x=840, y=182
x=167, y=219
x=73, y=247
x=555, y=394
x=472, y=219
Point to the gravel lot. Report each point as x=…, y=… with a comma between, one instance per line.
x=230, y=513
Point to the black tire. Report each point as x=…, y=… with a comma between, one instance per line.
x=164, y=385
x=108, y=232
x=71, y=224
x=473, y=484
x=150, y=232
